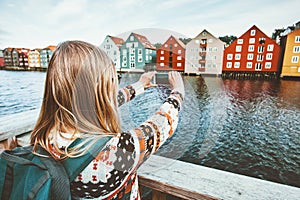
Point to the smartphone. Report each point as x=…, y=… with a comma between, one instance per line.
x=161, y=78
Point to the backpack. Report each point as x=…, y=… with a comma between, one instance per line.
x=24, y=175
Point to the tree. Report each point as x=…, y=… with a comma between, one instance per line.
x=228, y=39
x=185, y=40
x=157, y=45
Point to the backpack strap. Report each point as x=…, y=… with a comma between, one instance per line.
x=76, y=165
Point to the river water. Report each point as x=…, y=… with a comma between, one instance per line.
x=249, y=127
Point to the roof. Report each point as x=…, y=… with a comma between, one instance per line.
x=117, y=41
x=179, y=41
x=51, y=47
x=145, y=42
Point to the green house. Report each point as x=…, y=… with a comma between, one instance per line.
x=137, y=53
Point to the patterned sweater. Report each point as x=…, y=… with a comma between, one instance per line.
x=113, y=173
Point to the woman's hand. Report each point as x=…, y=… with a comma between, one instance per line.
x=176, y=82
x=146, y=78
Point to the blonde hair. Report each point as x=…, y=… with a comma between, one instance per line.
x=80, y=95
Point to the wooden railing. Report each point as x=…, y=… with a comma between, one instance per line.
x=165, y=176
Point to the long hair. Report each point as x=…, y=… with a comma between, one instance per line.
x=80, y=96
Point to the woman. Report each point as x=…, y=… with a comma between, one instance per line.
x=81, y=101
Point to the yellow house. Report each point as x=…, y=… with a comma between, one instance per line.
x=291, y=60
x=34, y=58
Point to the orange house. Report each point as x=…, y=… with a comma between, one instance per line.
x=291, y=61
x=171, y=55
x=254, y=51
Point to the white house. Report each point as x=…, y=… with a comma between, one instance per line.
x=111, y=45
x=204, y=54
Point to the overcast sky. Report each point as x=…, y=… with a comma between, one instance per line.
x=39, y=23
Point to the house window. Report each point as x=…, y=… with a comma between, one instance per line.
x=250, y=56
x=251, y=48
x=252, y=33
x=140, y=59
x=229, y=56
x=261, y=49
x=132, y=65
x=270, y=47
x=258, y=66
x=237, y=56
x=162, y=58
x=240, y=41
x=204, y=33
x=210, y=40
x=178, y=64
x=210, y=49
x=238, y=48
x=260, y=57
x=251, y=40
x=228, y=64
x=268, y=65
x=179, y=51
x=249, y=65
x=236, y=64
x=197, y=41
x=269, y=56
x=161, y=64
x=215, y=49
x=178, y=57
x=132, y=51
x=299, y=69
x=296, y=49
x=139, y=51
x=131, y=38
x=295, y=59
x=131, y=58
x=124, y=58
x=297, y=39
x=175, y=45
x=262, y=40
x=162, y=52
x=166, y=45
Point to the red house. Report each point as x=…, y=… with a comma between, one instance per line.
x=2, y=64
x=171, y=55
x=253, y=52
x=23, y=57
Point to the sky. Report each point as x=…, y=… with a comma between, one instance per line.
x=39, y=23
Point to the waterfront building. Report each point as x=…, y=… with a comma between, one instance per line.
x=171, y=55
x=15, y=57
x=253, y=52
x=137, y=53
x=7, y=54
x=291, y=53
x=45, y=55
x=111, y=45
x=2, y=64
x=204, y=54
x=23, y=57
x=34, y=58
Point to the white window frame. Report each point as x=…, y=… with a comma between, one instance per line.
x=269, y=56
x=270, y=47
x=295, y=59
x=237, y=56
x=251, y=40
x=252, y=32
x=162, y=52
x=175, y=45
x=238, y=48
x=229, y=65
x=297, y=39
x=179, y=57
x=229, y=56
x=250, y=56
x=249, y=65
x=251, y=48
x=296, y=49
x=260, y=57
x=237, y=64
x=268, y=65
x=179, y=51
x=179, y=64
x=260, y=49
x=162, y=64
x=240, y=41
x=258, y=66
x=162, y=58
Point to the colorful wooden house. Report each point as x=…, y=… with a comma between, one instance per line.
x=253, y=52
x=137, y=53
x=34, y=58
x=23, y=57
x=204, y=54
x=45, y=55
x=171, y=55
x=111, y=45
x=291, y=60
x=7, y=54
x=2, y=64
